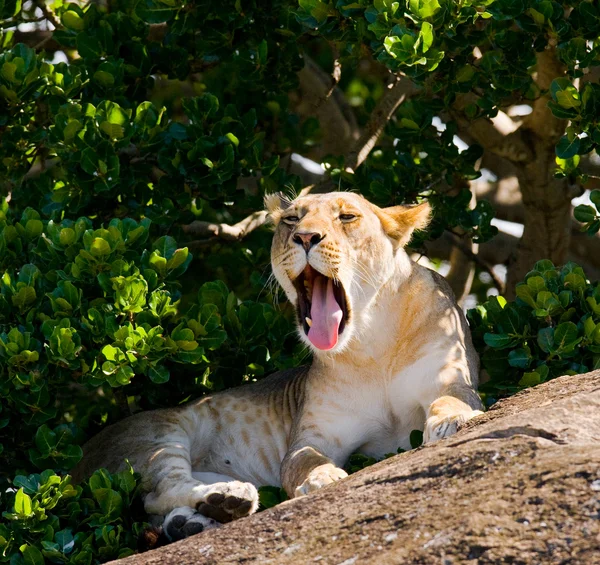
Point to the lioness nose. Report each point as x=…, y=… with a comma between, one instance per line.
x=307, y=240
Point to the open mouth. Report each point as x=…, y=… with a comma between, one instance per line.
x=322, y=307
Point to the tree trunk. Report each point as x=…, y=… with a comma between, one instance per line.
x=547, y=221
x=520, y=484
x=546, y=199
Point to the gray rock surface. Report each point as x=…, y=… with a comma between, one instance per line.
x=520, y=484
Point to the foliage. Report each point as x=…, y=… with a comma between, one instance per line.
x=52, y=521
x=85, y=313
x=455, y=48
x=588, y=215
x=271, y=496
x=115, y=153
x=551, y=329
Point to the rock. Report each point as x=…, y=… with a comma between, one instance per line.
x=520, y=484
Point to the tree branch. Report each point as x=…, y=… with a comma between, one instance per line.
x=317, y=96
x=37, y=37
x=485, y=132
x=336, y=74
x=458, y=244
x=225, y=231
x=395, y=94
x=48, y=13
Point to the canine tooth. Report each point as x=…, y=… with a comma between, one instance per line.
x=308, y=321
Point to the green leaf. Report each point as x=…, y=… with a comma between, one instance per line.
x=45, y=440
x=424, y=9
x=575, y=282
x=410, y=124
x=114, y=131
x=159, y=374
x=566, y=337
x=564, y=93
x=22, y=503
x=104, y=78
x=32, y=556
x=425, y=39
x=88, y=46
x=72, y=20
x=498, y=341
x=589, y=326
x=29, y=484
x=34, y=228
x=545, y=339
x=89, y=161
x=110, y=502
x=519, y=358
x=178, y=258
x=100, y=247
x=530, y=379
x=548, y=301
x=65, y=541
x=585, y=213
x=8, y=71
x=166, y=246
x=536, y=284
x=130, y=293
x=416, y=438
x=401, y=48
x=155, y=11
x=525, y=293
x=100, y=480
x=566, y=148
x=271, y=496
x=67, y=236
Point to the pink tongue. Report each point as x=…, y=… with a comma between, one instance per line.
x=325, y=313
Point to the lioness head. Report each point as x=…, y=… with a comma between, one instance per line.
x=332, y=253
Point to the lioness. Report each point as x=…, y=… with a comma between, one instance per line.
x=392, y=353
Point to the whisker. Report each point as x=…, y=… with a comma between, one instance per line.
x=365, y=273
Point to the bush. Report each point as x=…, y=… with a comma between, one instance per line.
x=551, y=329
x=91, y=329
x=53, y=521
x=83, y=311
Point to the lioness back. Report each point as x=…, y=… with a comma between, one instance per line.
x=271, y=403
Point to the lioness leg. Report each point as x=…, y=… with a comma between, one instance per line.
x=456, y=405
x=174, y=485
x=305, y=469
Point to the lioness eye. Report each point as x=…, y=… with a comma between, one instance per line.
x=291, y=220
x=347, y=217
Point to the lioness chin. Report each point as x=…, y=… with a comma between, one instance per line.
x=392, y=353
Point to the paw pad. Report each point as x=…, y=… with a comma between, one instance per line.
x=185, y=522
x=230, y=501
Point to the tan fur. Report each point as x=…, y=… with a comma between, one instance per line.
x=404, y=360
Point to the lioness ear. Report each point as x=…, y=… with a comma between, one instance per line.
x=275, y=204
x=399, y=222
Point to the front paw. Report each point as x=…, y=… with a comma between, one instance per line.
x=437, y=428
x=319, y=477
